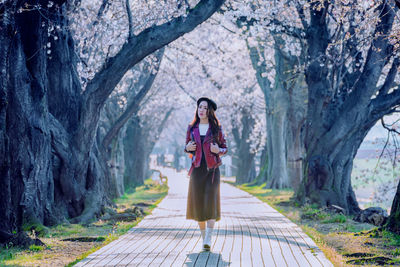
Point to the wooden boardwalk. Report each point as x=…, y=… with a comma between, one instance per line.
x=250, y=233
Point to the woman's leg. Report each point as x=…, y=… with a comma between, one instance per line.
x=210, y=223
x=202, y=226
x=209, y=230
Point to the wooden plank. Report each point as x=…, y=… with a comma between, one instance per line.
x=257, y=259
x=138, y=247
x=316, y=250
x=246, y=260
x=297, y=253
x=224, y=259
x=201, y=260
x=220, y=237
x=213, y=259
x=121, y=250
x=247, y=243
x=180, y=248
x=92, y=257
x=171, y=246
x=266, y=250
x=235, y=255
x=304, y=247
x=162, y=245
x=286, y=252
x=276, y=250
x=194, y=244
x=103, y=254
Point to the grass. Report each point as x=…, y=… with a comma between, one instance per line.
x=336, y=235
x=338, y=218
x=67, y=253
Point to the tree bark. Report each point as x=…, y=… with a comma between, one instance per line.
x=245, y=156
x=295, y=134
x=277, y=164
x=8, y=207
x=393, y=223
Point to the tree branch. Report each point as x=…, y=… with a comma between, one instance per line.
x=382, y=104
x=130, y=20
x=289, y=30
x=376, y=59
x=302, y=17
x=182, y=87
x=384, y=125
x=134, y=105
x=259, y=65
x=390, y=77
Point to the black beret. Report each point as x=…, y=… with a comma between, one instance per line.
x=209, y=101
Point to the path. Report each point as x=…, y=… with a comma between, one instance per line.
x=250, y=233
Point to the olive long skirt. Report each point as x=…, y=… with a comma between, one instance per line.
x=203, y=201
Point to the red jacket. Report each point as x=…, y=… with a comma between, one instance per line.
x=213, y=160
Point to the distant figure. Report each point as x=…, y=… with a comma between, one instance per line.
x=205, y=142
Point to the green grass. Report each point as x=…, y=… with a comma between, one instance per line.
x=35, y=248
x=8, y=253
x=392, y=239
x=337, y=218
x=36, y=229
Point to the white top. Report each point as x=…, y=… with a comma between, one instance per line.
x=203, y=128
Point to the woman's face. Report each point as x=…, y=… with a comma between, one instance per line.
x=202, y=110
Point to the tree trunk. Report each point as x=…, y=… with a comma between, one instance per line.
x=295, y=134
x=277, y=166
x=134, y=154
x=263, y=166
x=137, y=153
x=8, y=210
x=274, y=171
x=295, y=148
x=393, y=223
x=26, y=167
x=245, y=156
x=328, y=174
x=117, y=167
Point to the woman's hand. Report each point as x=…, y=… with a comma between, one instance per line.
x=191, y=146
x=214, y=148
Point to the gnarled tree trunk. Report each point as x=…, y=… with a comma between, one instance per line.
x=243, y=151
x=393, y=223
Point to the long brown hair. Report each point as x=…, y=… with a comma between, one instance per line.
x=212, y=120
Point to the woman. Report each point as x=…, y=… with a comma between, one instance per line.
x=206, y=143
